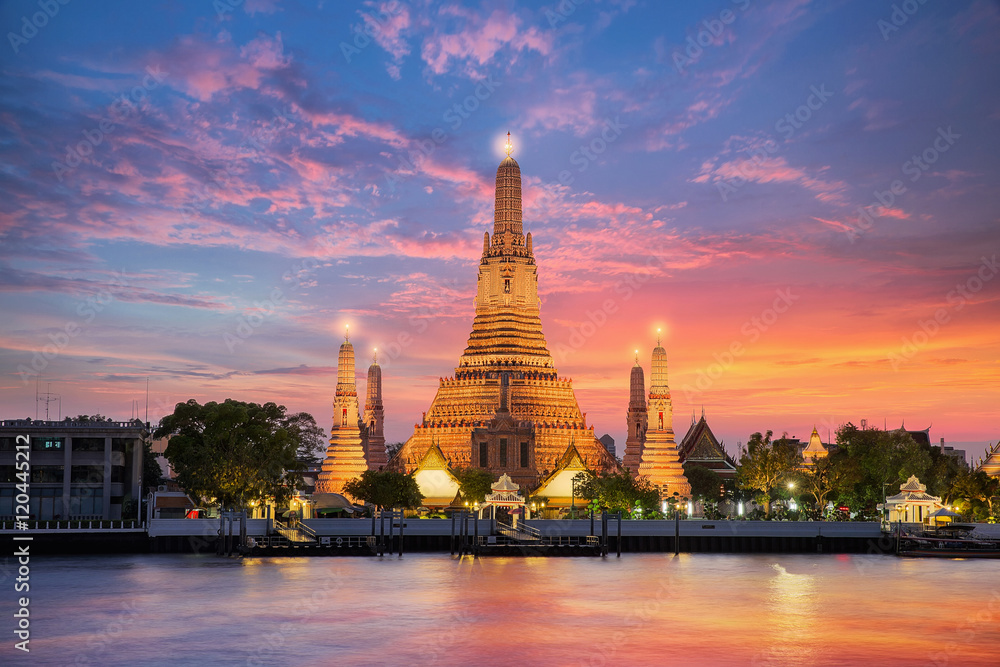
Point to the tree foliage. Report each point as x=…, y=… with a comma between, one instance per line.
x=90, y=419
x=829, y=478
x=312, y=439
x=151, y=472
x=474, y=483
x=618, y=491
x=385, y=489
x=883, y=460
x=705, y=484
x=976, y=494
x=765, y=464
x=234, y=452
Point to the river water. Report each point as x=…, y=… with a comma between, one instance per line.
x=431, y=609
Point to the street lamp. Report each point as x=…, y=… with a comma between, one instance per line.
x=792, y=505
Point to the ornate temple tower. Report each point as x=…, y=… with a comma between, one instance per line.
x=506, y=409
x=660, y=461
x=374, y=418
x=345, y=457
x=637, y=419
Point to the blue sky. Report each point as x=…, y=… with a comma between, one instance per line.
x=272, y=164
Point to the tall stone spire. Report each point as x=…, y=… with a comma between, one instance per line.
x=660, y=460
x=637, y=419
x=508, y=229
x=345, y=457
x=374, y=418
x=506, y=409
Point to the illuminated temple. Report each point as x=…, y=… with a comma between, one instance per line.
x=505, y=409
x=356, y=445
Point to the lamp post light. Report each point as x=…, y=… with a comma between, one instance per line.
x=792, y=505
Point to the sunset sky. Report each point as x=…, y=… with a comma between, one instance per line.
x=803, y=195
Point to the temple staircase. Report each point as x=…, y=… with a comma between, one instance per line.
x=295, y=532
x=520, y=534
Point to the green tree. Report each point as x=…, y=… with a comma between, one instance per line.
x=151, y=472
x=705, y=483
x=312, y=439
x=829, y=478
x=385, y=489
x=474, y=484
x=765, y=464
x=233, y=452
x=976, y=492
x=89, y=419
x=884, y=460
x=618, y=491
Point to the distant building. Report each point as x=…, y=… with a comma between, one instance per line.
x=700, y=447
x=79, y=470
x=609, y=443
x=923, y=437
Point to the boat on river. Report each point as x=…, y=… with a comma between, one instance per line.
x=947, y=547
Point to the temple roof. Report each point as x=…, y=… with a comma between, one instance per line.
x=433, y=459
x=504, y=484
x=991, y=464
x=913, y=484
x=700, y=443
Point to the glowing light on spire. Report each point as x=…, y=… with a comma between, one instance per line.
x=347, y=332
x=508, y=146
x=658, y=332
x=374, y=355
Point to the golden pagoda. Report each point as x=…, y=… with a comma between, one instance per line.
x=505, y=409
x=660, y=460
x=345, y=457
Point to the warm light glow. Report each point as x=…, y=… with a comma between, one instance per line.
x=508, y=147
x=791, y=485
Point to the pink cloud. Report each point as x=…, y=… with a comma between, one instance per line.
x=479, y=41
x=388, y=26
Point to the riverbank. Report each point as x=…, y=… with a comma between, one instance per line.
x=436, y=535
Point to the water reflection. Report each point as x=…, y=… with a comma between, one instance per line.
x=642, y=609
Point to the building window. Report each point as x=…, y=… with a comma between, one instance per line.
x=85, y=502
x=484, y=455
x=123, y=445
x=88, y=444
x=524, y=454
x=503, y=452
x=47, y=474
x=87, y=475
x=506, y=285
x=638, y=430
x=343, y=420
x=661, y=421
x=46, y=444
